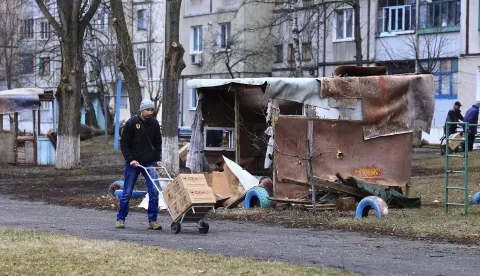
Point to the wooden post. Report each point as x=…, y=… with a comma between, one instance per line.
x=309, y=143
x=237, y=129
x=39, y=123
x=274, y=120
x=1, y=122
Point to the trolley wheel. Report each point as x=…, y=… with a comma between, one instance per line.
x=203, y=229
x=176, y=227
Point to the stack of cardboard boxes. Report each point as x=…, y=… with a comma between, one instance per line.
x=188, y=190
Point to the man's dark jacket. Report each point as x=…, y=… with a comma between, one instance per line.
x=134, y=142
x=453, y=116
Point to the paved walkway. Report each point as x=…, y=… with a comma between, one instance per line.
x=350, y=251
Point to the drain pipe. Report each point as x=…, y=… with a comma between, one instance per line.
x=467, y=28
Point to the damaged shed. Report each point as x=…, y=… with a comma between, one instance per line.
x=300, y=129
x=21, y=147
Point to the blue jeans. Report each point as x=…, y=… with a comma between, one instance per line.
x=131, y=176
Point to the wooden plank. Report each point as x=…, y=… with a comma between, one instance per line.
x=330, y=186
x=287, y=200
x=309, y=161
x=237, y=129
x=339, y=187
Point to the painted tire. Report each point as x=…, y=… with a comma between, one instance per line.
x=476, y=198
x=135, y=194
x=117, y=185
x=257, y=193
x=369, y=202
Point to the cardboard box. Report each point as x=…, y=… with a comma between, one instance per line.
x=188, y=190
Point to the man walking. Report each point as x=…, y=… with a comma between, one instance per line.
x=471, y=117
x=141, y=144
x=454, y=115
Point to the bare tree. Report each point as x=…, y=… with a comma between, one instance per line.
x=174, y=66
x=9, y=37
x=74, y=16
x=127, y=64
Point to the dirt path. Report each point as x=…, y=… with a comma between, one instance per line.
x=344, y=250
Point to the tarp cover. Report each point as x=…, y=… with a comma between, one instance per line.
x=391, y=197
x=19, y=103
x=391, y=104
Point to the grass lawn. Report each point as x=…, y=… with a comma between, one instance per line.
x=39, y=253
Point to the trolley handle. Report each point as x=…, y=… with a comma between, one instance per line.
x=161, y=167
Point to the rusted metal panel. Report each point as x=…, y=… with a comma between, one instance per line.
x=19, y=103
x=339, y=147
x=391, y=104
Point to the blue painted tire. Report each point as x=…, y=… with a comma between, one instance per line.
x=257, y=193
x=135, y=194
x=117, y=185
x=369, y=202
x=476, y=198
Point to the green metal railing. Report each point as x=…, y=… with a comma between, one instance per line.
x=449, y=171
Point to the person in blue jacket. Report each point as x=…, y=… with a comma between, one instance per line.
x=471, y=117
x=141, y=144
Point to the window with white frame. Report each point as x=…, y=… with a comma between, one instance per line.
x=439, y=13
x=344, y=20
x=27, y=28
x=27, y=63
x=396, y=16
x=219, y=138
x=44, y=66
x=224, y=35
x=196, y=39
x=45, y=105
x=142, y=19
x=278, y=53
x=44, y=30
x=193, y=99
x=142, y=58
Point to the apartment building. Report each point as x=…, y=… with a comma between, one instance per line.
x=221, y=41
x=38, y=61
x=407, y=36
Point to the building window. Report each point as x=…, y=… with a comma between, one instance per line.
x=193, y=99
x=307, y=3
x=224, y=35
x=44, y=30
x=399, y=67
x=344, y=20
x=439, y=13
x=142, y=19
x=396, y=16
x=291, y=52
x=27, y=28
x=44, y=66
x=45, y=105
x=142, y=58
x=279, y=53
x=445, y=78
x=26, y=63
x=307, y=51
x=219, y=138
x=196, y=38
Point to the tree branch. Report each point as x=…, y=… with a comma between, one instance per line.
x=56, y=26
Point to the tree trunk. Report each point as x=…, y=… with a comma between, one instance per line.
x=90, y=117
x=296, y=41
x=125, y=55
x=358, y=33
x=174, y=64
x=69, y=102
